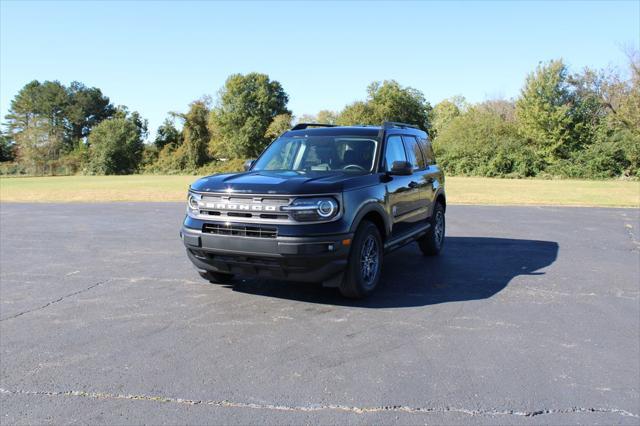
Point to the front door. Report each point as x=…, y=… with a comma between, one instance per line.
x=403, y=192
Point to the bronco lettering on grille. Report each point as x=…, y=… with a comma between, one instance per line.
x=245, y=207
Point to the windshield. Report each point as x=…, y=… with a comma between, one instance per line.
x=319, y=153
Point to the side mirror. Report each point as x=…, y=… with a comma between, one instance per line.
x=401, y=168
x=248, y=164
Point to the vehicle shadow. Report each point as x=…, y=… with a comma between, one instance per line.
x=469, y=268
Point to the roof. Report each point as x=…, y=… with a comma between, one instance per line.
x=369, y=131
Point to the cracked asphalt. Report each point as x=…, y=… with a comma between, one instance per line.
x=530, y=316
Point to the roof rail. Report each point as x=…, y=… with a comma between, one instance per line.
x=301, y=126
x=394, y=124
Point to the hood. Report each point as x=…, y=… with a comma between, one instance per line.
x=276, y=182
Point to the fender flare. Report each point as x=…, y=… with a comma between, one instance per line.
x=438, y=193
x=368, y=207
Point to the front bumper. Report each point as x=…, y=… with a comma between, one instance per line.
x=307, y=259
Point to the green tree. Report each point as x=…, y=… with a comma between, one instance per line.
x=392, y=102
x=388, y=101
x=609, y=108
x=357, y=113
x=167, y=134
x=47, y=120
x=280, y=124
x=444, y=112
x=36, y=121
x=196, y=134
x=624, y=119
x=87, y=107
x=24, y=107
x=6, y=148
x=116, y=144
x=246, y=107
x=546, y=112
x=74, y=160
x=621, y=97
x=326, y=116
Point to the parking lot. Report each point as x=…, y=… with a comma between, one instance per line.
x=530, y=316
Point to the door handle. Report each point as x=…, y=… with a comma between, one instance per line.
x=413, y=184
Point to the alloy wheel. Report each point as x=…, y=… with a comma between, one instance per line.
x=369, y=259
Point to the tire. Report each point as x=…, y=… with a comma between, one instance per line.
x=365, y=262
x=432, y=242
x=216, y=277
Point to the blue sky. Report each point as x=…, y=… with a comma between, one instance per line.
x=157, y=57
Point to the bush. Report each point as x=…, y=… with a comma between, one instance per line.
x=481, y=143
x=216, y=167
x=611, y=156
x=629, y=143
x=173, y=161
x=75, y=161
x=12, y=168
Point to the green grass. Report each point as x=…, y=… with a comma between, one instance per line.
x=460, y=190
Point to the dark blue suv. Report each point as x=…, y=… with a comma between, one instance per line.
x=322, y=204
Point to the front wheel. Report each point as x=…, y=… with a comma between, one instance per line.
x=431, y=243
x=365, y=262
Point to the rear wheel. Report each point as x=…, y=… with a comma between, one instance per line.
x=216, y=277
x=365, y=262
x=432, y=242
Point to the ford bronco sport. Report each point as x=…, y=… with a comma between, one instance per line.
x=321, y=204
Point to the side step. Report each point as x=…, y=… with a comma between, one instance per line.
x=405, y=239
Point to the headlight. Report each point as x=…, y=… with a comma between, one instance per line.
x=193, y=204
x=313, y=209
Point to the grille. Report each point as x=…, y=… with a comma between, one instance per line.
x=240, y=230
x=258, y=208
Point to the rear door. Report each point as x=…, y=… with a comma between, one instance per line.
x=433, y=173
x=421, y=179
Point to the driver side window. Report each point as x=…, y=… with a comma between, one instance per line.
x=394, y=151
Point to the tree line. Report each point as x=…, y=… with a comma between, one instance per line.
x=583, y=124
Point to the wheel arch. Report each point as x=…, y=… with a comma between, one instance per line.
x=442, y=199
x=376, y=214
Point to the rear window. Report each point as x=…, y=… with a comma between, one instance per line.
x=427, y=149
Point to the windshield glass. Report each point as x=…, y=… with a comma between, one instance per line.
x=319, y=153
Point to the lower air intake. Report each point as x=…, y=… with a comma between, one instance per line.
x=239, y=230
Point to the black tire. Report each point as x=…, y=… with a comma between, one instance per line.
x=216, y=277
x=365, y=262
x=432, y=242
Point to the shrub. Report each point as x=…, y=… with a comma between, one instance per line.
x=610, y=156
x=9, y=168
x=481, y=143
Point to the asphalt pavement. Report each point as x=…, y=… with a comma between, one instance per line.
x=530, y=316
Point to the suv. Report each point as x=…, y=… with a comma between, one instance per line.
x=321, y=204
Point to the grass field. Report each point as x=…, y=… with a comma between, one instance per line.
x=460, y=190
